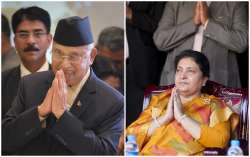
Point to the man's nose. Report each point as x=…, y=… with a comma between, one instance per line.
x=31, y=39
x=65, y=63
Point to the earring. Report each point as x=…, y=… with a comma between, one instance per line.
x=204, y=84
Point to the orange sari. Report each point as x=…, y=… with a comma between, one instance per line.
x=173, y=139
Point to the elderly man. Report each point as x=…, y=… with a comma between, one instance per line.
x=32, y=39
x=67, y=111
x=111, y=45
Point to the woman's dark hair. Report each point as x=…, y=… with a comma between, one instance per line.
x=31, y=13
x=199, y=58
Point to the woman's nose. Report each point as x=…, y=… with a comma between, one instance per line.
x=183, y=75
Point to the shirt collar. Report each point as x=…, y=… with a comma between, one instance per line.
x=208, y=3
x=73, y=91
x=25, y=71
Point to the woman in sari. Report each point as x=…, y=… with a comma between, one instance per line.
x=183, y=120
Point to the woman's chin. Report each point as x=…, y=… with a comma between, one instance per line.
x=182, y=88
x=183, y=91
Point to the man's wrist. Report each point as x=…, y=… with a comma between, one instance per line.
x=205, y=24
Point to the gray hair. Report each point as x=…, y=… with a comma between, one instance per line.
x=89, y=47
x=111, y=38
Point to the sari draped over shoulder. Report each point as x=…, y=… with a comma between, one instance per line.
x=173, y=139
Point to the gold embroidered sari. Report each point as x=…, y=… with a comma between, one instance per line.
x=172, y=139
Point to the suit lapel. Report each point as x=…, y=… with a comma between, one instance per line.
x=16, y=77
x=85, y=96
x=11, y=87
x=48, y=82
x=212, y=11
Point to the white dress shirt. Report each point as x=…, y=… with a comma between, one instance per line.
x=25, y=71
x=73, y=91
x=198, y=39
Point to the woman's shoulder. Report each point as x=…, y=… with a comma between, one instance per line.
x=213, y=101
x=220, y=112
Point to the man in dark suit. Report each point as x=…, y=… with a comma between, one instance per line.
x=67, y=111
x=145, y=62
x=32, y=39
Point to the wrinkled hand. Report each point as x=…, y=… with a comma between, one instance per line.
x=59, y=101
x=46, y=107
x=196, y=17
x=203, y=12
x=178, y=108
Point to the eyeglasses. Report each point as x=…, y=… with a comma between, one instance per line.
x=25, y=35
x=73, y=58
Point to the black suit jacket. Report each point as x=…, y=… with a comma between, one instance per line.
x=10, y=83
x=145, y=61
x=91, y=127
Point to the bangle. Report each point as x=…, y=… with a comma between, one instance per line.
x=182, y=117
x=157, y=122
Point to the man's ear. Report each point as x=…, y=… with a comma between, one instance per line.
x=14, y=39
x=93, y=55
x=49, y=38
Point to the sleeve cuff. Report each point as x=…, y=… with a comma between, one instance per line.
x=205, y=25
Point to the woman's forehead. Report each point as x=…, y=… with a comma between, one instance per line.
x=187, y=62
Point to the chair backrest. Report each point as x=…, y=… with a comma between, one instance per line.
x=235, y=98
